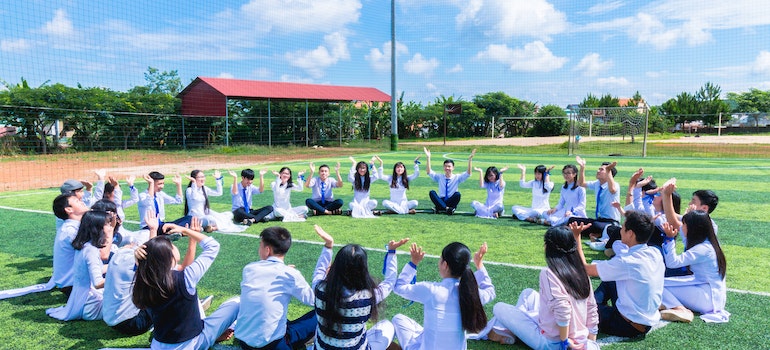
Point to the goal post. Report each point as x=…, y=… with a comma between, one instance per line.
x=608, y=131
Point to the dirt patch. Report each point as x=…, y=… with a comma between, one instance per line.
x=51, y=170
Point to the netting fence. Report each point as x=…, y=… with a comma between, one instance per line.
x=614, y=131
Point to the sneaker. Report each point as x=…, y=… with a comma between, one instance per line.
x=450, y=211
x=502, y=337
x=677, y=315
x=377, y=212
x=598, y=245
x=206, y=302
x=435, y=210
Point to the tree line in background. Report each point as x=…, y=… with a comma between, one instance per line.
x=147, y=117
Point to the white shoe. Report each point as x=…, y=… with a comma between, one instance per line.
x=598, y=245
x=677, y=315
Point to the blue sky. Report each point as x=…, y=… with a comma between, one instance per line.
x=549, y=52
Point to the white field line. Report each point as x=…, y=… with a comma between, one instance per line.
x=529, y=267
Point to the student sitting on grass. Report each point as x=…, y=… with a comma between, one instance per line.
x=347, y=298
x=322, y=202
x=399, y=184
x=242, y=192
x=541, y=193
x=705, y=291
x=93, y=245
x=572, y=199
x=448, y=197
x=492, y=181
x=267, y=287
x=170, y=296
x=155, y=199
x=361, y=178
x=450, y=307
x=563, y=315
x=282, y=188
x=607, y=191
x=632, y=280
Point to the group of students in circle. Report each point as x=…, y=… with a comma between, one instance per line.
x=148, y=285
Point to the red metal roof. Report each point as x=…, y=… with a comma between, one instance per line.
x=208, y=96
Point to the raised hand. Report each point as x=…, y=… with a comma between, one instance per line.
x=178, y=179
x=232, y=173
x=577, y=228
x=328, y=239
x=427, y=152
x=417, y=253
x=100, y=174
x=130, y=180
x=262, y=172
x=581, y=162
x=478, y=257
x=393, y=245
x=217, y=174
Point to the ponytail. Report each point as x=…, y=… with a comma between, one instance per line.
x=474, y=319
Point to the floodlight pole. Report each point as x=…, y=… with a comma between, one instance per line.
x=393, y=102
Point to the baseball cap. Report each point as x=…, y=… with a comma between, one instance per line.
x=71, y=185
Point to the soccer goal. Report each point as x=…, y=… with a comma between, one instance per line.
x=608, y=131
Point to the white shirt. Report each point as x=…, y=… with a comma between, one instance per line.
x=540, y=200
x=266, y=290
x=604, y=200
x=117, y=305
x=442, y=326
x=282, y=194
x=64, y=253
x=196, y=200
x=361, y=195
x=448, y=188
x=573, y=201
x=161, y=198
x=315, y=186
x=494, y=193
x=638, y=275
x=398, y=194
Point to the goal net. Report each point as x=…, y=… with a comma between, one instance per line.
x=608, y=131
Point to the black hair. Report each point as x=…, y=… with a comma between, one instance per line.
x=707, y=198
x=108, y=206
x=108, y=188
x=649, y=186
x=289, y=183
x=60, y=203
x=404, y=177
x=357, y=184
x=457, y=257
x=92, y=229
x=277, y=238
x=156, y=175
x=614, y=170
x=542, y=169
x=323, y=166
x=700, y=229
x=154, y=280
x=247, y=173
x=641, y=224
x=492, y=170
x=574, y=180
x=193, y=174
x=676, y=200
x=565, y=262
x=449, y=161
x=348, y=274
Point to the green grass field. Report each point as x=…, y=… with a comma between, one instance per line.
x=515, y=248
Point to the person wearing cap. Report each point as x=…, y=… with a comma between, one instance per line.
x=76, y=187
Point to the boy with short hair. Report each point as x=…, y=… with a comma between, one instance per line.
x=322, y=201
x=632, y=280
x=69, y=208
x=448, y=197
x=266, y=289
x=155, y=199
x=607, y=191
x=242, y=191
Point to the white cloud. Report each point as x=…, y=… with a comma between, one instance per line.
x=295, y=79
x=430, y=86
x=226, y=75
x=592, y=64
x=17, y=45
x=456, y=69
x=261, y=73
x=60, y=25
x=762, y=63
x=603, y=7
x=614, y=81
x=314, y=61
x=380, y=60
x=303, y=15
x=534, y=57
x=419, y=65
x=532, y=18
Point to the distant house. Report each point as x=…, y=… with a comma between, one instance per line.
x=749, y=120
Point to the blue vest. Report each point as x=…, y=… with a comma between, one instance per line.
x=178, y=320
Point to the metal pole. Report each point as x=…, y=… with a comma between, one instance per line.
x=719, y=128
x=269, y=126
x=393, y=102
x=307, y=125
x=227, y=124
x=444, y=125
x=646, y=126
x=340, y=125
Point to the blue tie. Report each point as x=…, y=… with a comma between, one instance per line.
x=245, y=200
x=598, y=196
x=446, y=189
x=157, y=209
x=323, y=193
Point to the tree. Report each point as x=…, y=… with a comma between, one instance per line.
x=549, y=121
x=755, y=102
x=166, y=82
x=710, y=104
